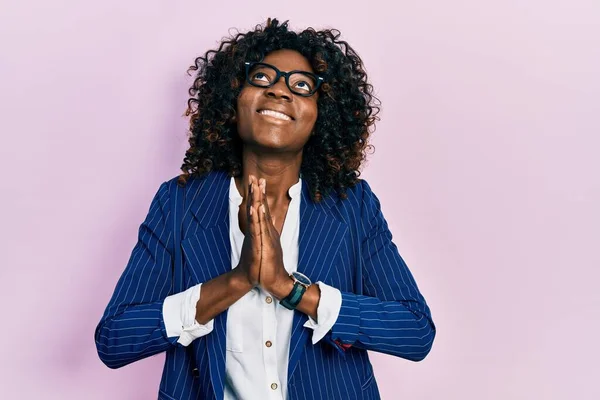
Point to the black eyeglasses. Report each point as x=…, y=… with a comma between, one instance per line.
x=302, y=83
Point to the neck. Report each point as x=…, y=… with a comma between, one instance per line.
x=280, y=170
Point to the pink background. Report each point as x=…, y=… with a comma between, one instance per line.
x=486, y=166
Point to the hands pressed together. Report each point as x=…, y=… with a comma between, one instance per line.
x=261, y=259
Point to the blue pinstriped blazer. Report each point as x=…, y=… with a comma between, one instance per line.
x=344, y=243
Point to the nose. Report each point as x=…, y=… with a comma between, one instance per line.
x=279, y=89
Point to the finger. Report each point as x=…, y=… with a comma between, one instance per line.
x=258, y=195
x=253, y=225
x=254, y=220
x=266, y=204
x=249, y=198
x=264, y=227
x=252, y=216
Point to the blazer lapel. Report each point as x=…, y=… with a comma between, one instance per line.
x=322, y=229
x=209, y=255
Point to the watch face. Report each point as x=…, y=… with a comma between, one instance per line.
x=303, y=279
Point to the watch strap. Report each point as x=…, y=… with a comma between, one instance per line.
x=292, y=300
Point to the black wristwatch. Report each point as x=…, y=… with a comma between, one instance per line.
x=301, y=284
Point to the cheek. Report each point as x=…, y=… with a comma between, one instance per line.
x=244, y=101
x=311, y=114
x=241, y=102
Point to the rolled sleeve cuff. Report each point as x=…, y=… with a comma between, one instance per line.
x=327, y=312
x=346, y=328
x=179, y=315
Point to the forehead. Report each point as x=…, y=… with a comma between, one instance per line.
x=288, y=60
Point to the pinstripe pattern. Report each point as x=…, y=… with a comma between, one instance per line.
x=344, y=243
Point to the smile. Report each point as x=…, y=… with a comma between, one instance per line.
x=275, y=114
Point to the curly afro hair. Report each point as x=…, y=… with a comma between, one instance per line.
x=346, y=107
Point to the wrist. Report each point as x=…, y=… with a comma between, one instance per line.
x=238, y=281
x=283, y=287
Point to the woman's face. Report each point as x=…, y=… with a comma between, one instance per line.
x=268, y=131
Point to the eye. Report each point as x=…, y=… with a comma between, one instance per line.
x=302, y=82
x=304, y=85
x=260, y=76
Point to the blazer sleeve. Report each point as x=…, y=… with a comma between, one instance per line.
x=132, y=326
x=391, y=316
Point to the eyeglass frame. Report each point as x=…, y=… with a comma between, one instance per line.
x=286, y=75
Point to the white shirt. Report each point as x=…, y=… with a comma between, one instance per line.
x=258, y=327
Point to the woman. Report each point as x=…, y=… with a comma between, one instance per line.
x=279, y=128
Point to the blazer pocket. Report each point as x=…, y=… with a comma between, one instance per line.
x=370, y=376
x=369, y=380
x=162, y=395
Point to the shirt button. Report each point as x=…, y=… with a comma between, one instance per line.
x=274, y=386
x=268, y=343
x=269, y=299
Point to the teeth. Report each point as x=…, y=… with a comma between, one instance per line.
x=275, y=114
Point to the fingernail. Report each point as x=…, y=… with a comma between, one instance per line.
x=262, y=207
x=250, y=210
x=251, y=188
x=265, y=188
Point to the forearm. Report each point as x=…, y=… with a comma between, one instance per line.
x=399, y=328
x=131, y=335
x=220, y=293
